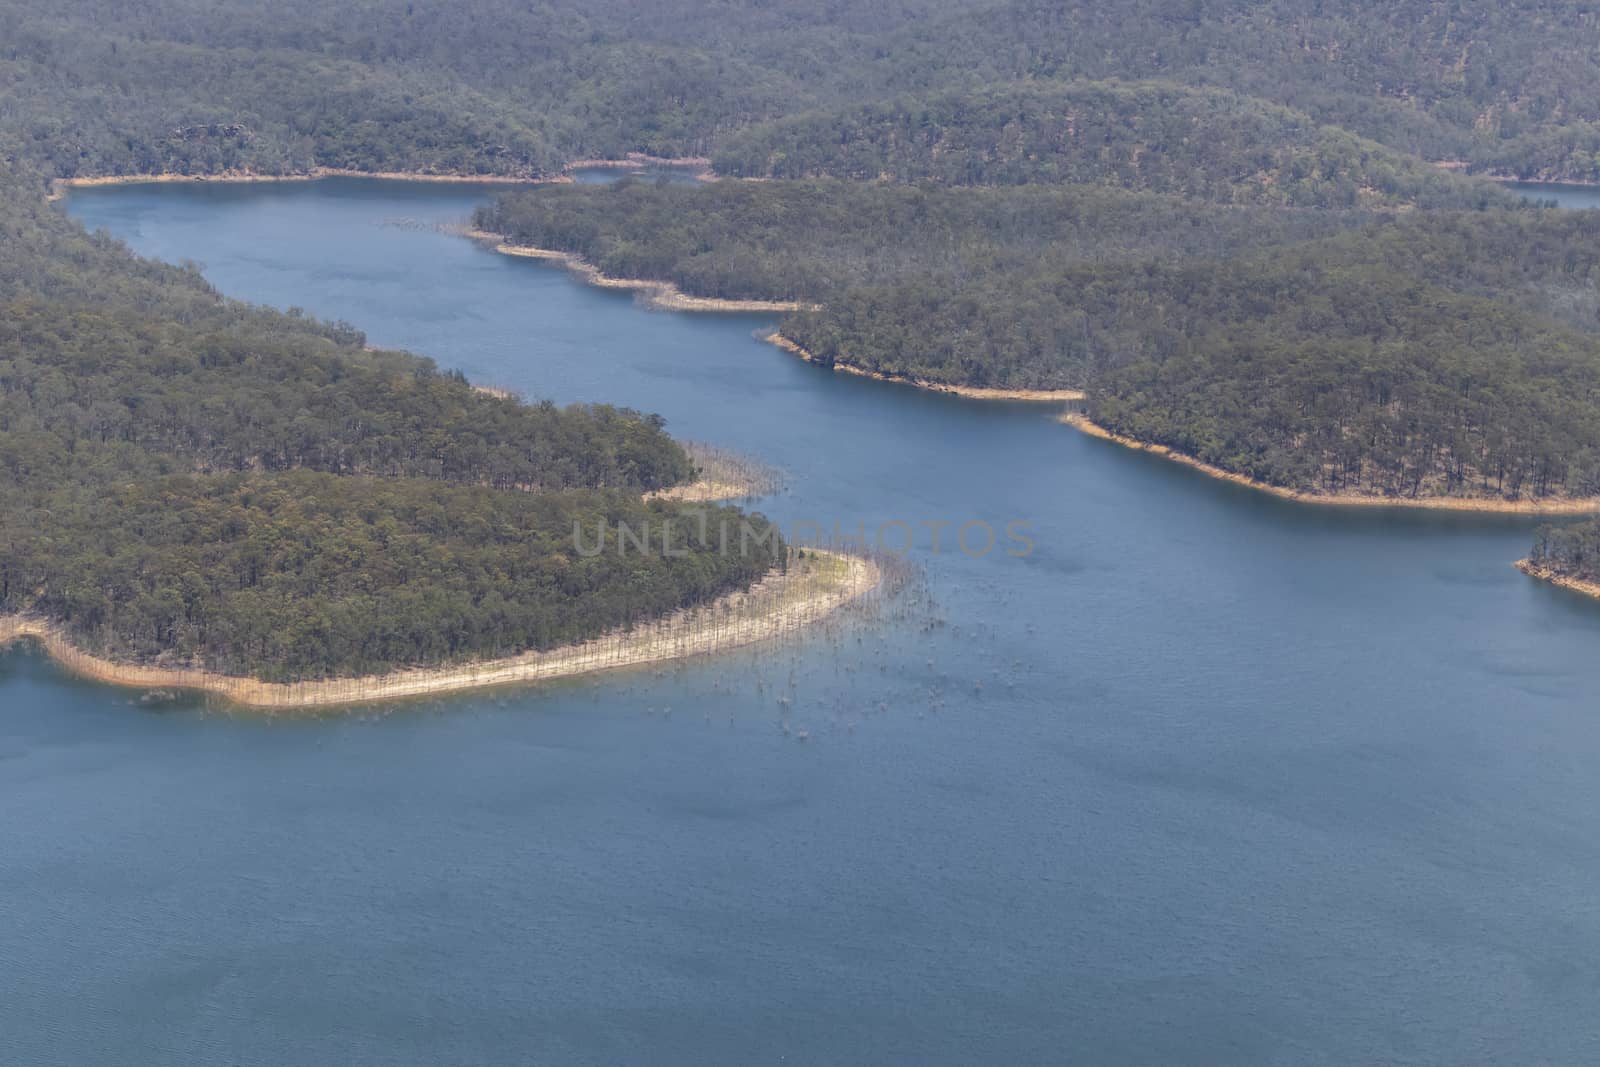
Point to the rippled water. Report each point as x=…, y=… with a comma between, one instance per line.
x=1208, y=778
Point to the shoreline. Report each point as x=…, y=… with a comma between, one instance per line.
x=1512, y=179
x=60, y=186
x=1562, y=581
x=779, y=605
x=701, y=165
x=1459, y=166
x=663, y=295
x=1584, y=506
x=724, y=476
x=971, y=392
x=633, y=161
x=704, y=491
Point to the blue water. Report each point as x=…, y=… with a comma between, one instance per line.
x=1208, y=778
x=1562, y=194
x=675, y=175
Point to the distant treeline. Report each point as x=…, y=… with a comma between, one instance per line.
x=1202, y=143
x=1496, y=85
x=500, y=86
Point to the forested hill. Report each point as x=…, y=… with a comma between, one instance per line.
x=90, y=104
x=1511, y=87
x=1366, y=383
x=188, y=479
x=500, y=86
x=1431, y=353
x=815, y=240
x=1436, y=354
x=1202, y=143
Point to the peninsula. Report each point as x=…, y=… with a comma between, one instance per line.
x=812, y=586
x=658, y=294
x=251, y=494
x=1567, y=556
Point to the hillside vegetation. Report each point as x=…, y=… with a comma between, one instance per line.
x=1571, y=551
x=186, y=479
x=1430, y=354
x=1205, y=144
x=501, y=86
x=1496, y=86
x=815, y=240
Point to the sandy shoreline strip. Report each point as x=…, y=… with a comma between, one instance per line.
x=700, y=165
x=1545, y=574
x=657, y=294
x=779, y=606
x=972, y=392
x=1459, y=166
x=704, y=491
x=1581, y=506
x=59, y=186
x=724, y=475
x=634, y=161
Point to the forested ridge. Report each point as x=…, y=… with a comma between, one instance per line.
x=307, y=575
x=1426, y=354
x=232, y=396
x=1432, y=355
x=1207, y=144
x=188, y=479
x=1498, y=86
x=505, y=87
x=816, y=240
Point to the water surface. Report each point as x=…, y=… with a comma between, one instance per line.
x=1208, y=778
x=1563, y=194
x=673, y=174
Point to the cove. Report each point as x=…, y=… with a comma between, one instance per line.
x=1207, y=777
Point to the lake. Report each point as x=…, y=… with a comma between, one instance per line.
x=1563, y=194
x=1208, y=777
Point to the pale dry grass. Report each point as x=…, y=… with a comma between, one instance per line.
x=724, y=475
x=656, y=294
